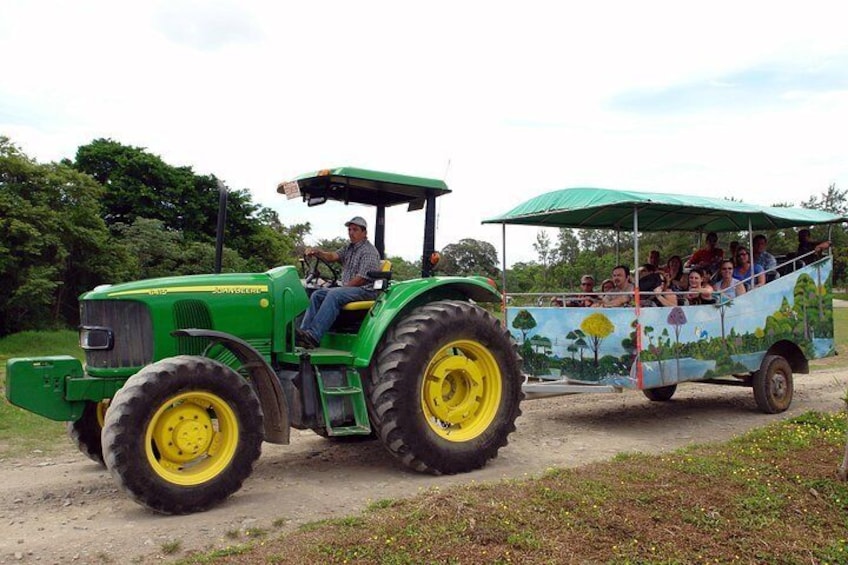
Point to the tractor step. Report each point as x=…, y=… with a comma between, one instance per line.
x=340, y=390
x=349, y=431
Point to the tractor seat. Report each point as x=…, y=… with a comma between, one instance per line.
x=385, y=267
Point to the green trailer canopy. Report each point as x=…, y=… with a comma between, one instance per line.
x=602, y=208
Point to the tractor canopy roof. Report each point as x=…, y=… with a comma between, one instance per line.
x=362, y=186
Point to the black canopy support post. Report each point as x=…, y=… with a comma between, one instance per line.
x=429, y=235
x=380, y=231
x=222, y=222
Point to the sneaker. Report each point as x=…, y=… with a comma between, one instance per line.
x=304, y=339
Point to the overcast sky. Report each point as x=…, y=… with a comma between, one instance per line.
x=502, y=100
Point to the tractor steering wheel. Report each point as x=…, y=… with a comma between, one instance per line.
x=318, y=273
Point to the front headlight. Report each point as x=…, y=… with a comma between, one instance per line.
x=96, y=337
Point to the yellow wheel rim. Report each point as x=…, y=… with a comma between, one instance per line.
x=462, y=390
x=100, y=411
x=191, y=438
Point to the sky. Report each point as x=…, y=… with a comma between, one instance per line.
x=502, y=100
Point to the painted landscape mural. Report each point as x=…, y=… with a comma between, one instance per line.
x=684, y=343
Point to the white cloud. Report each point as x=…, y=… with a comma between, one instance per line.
x=519, y=98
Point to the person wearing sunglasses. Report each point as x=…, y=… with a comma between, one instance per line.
x=746, y=271
x=727, y=287
x=587, y=296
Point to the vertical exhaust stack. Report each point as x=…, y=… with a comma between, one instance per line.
x=222, y=221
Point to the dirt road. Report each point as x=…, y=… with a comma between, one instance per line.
x=65, y=509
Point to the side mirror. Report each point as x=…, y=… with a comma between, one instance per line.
x=316, y=200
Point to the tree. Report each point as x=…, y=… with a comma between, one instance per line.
x=53, y=243
x=524, y=322
x=470, y=257
x=597, y=327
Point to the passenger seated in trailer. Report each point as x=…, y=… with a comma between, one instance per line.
x=700, y=290
x=709, y=256
x=587, y=296
x=654, y=259
x=727, y=287
x=765, y=259
x=806, y=246
x=677, y=279
x=606, y=286
x=655, y=286
x=745, y=270
x=621, y=284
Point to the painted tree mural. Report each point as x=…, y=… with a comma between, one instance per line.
x=524, y=322
x=596, y=327
x=677, y=319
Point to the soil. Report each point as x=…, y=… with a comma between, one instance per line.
x=66, y=509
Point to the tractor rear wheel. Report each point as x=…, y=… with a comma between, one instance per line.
x=445, y=388
x=85, y=432
x=183, y=434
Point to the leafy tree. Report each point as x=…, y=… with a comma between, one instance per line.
x=470, y=257
x=524, y=322
x=53, y=243
x=597, y=327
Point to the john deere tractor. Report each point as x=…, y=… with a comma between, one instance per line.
x=185, y=377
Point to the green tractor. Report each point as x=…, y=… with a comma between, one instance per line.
x=185, y=377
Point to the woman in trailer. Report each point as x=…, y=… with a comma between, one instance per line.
x=746, y=271
x=727, y=287
x=677, y=279
x=700, y=290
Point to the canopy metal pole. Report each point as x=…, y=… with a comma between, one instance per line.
x=751, y=250
x=617, y=245
x=636, y=242
x=638, y=360
x=503, y=272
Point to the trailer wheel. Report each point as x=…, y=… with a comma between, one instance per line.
x=660, y=394
x=183, y=434
x=445, y=388
x=85, y=432
x=773, y=388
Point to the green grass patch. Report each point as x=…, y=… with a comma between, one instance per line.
x=777, y=484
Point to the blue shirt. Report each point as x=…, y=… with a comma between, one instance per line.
x=739, y=275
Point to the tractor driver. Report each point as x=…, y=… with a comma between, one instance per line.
x=357, y=258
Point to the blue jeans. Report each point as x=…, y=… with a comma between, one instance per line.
x=325, y=304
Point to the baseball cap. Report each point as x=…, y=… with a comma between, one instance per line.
x=587, y=278
x=359, y=221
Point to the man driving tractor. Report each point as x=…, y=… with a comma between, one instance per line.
x=358, y=258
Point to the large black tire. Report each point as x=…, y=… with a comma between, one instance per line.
x=85, y=432
x=183, y=434
x=660, y=394
x=445, y=388
x=773, y=385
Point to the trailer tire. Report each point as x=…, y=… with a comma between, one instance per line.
x=773, y=385
x=183, y=434
x=85, y=432
x=660, y=394
x=445, y=388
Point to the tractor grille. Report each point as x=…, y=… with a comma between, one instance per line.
x=133, y=331
x=192, y=314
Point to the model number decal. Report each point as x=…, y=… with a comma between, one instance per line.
x=211, y=289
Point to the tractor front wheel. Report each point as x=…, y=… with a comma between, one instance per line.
x=183, y=434
x=445, y=388
x=85, y=432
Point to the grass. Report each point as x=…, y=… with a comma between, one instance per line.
x=23, y=432
x=769, y=496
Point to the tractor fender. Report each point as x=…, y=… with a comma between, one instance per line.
x=271, y=397
x=403, y=296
